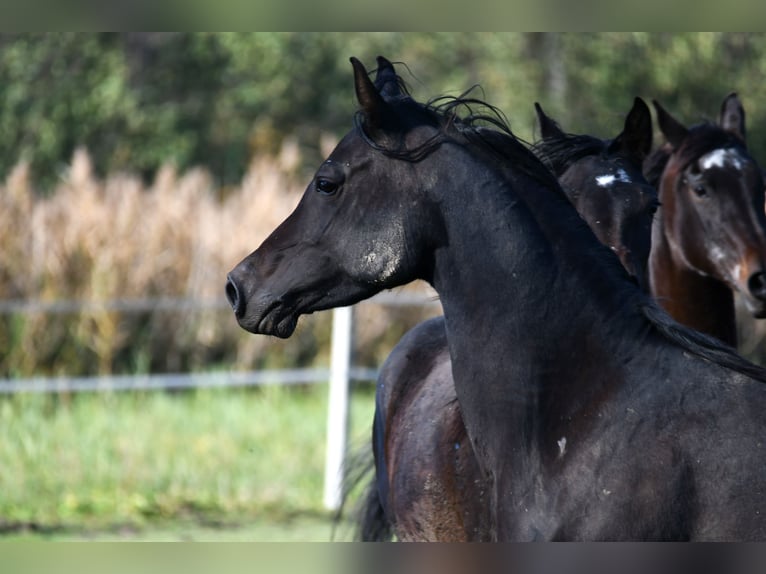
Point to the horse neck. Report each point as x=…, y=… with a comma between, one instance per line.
x=697, y=301
x=527, y=323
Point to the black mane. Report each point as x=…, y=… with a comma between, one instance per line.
x=460, y=116
x=560, y=153
x=706, y=347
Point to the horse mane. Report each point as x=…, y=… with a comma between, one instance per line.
x=559, y=153
x=704, y=346
x=461, y=116
x=700, y=344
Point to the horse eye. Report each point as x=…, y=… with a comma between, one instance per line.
x=700, y=190
x=326, y=186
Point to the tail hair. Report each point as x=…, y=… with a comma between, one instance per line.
x=367, y=515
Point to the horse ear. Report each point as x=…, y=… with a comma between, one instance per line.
x=732, y=116
x=386, y=80
x=367, y=95
x=636, y=137
x=671, y=128
x=548, y=126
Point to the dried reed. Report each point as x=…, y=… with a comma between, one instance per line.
x=100, y=240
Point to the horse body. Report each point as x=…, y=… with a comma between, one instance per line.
x=548, y=337
x=709, y=239
x=429, y=476
x=427, y=481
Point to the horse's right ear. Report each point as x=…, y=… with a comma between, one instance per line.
x=370, y=100
x=636, y=137
x=673, y=130
x=732, y=116
x=548, y=126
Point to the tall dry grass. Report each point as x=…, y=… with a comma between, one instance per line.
x=99, y=240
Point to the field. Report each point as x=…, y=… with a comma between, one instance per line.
x=201, y=465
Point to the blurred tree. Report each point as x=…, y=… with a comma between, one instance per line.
x=136, y=100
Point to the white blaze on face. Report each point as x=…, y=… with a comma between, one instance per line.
x=721, y=158
x=609, y=178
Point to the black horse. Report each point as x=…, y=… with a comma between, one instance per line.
x=593, y=415
x=427, y=483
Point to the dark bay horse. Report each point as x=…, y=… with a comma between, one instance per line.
x=428, y=485
x=709, y=238
x=593, y=415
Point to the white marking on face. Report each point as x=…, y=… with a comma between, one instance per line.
x=605, y=180
x=608, y=179
x=717, y=254
x=382, y=261
x=722, y=158
x=562, y=442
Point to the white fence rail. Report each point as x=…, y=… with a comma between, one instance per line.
x=340, y=374
x=166, y=381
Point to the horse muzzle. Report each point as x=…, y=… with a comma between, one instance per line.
x=260, y=314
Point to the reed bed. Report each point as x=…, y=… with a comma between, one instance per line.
x=98, y=240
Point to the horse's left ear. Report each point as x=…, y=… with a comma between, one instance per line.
x=548, y=126
x=386, y=80
x=372, y=103
x=732, y=116
x=672, y=129
x=636, y=137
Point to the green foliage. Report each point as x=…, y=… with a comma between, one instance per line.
x=690, y=74
x=142, y=99
x=227, y=101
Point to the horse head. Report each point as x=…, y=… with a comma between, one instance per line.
x=350, y=235
x=712, y=197
x=603, y=179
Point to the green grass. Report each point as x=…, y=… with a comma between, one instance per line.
x=249, y=462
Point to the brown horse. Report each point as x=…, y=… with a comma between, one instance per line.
x=709, y=237
x=592, y=414
x=425, y=466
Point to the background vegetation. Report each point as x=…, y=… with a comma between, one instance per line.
x=139, y=100
x=146, y=165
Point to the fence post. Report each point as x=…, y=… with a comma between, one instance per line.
x=337, y=410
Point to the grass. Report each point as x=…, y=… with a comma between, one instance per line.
x=195, y=465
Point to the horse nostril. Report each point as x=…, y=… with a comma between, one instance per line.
x=234, y=298
x=757, y=285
